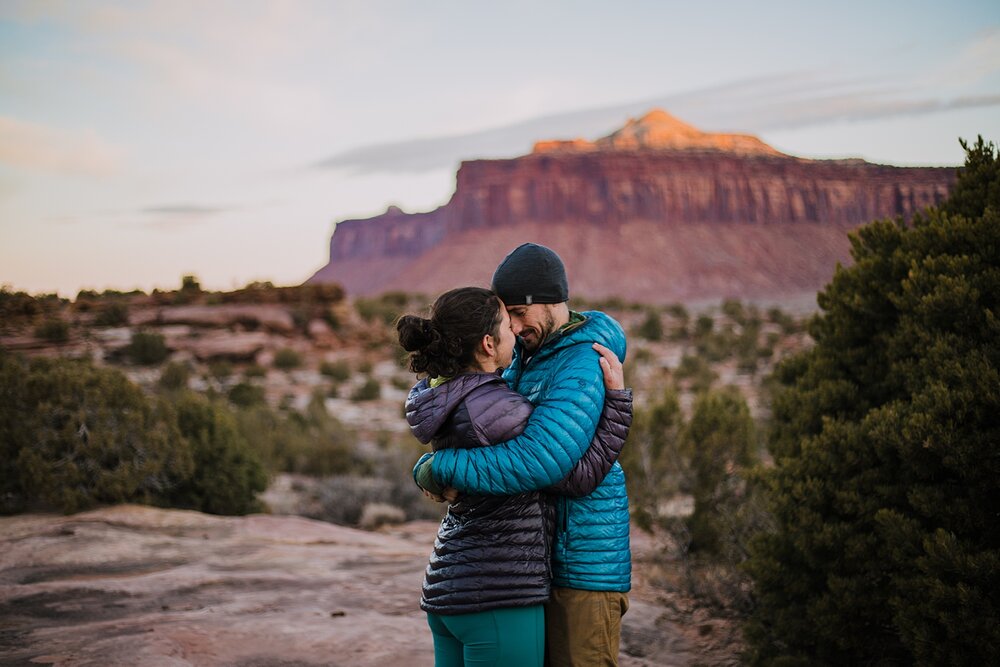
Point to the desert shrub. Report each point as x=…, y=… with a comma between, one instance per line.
x=787, y=323
x=227, y=474
x=650, y=458
x=287, y=359
x=703, y=326
x=245, y=394
x=338, y=371
x=719, y=443
x=313, y=442
x=370, y=390
x=651, y=327
x=53, y=331
x=112, y=314
x=147, y=348
x=254, y=371
x=402, y=382
x=886, y=545
x=175, y=375
x=14, y=305
x=678, y=311
x=74, y=435
x=220, y=369
x=385, y=309
x=374, y=515
x=697, y=370
x=734, y=310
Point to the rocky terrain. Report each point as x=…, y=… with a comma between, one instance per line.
x=657, y=212
x=131, y=585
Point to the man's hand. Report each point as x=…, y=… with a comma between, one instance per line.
x=614, y=375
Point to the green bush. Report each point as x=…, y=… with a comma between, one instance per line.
x=886, y=548
x=338, y=371
x=14, y=305
x=245, y=394
x=113, y=314
x=147, y=348
x=313, y=442
x=719, y=444
x=220, y=369
x=703, y=326
x=175, y=376
x=386, y=308
x=651, y=328
x=74, y=435
x=698, y=371
x=53, y=330
x=287, y=359
x=227, y=474
x=254, y=371
x=369, y=391
x=650, y=457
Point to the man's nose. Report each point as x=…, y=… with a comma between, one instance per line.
x=515, y=326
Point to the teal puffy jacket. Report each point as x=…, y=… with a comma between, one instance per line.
x=564, y=382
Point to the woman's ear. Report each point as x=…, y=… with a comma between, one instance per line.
x=488, y=346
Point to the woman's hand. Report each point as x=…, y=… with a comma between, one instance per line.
x=614, y=376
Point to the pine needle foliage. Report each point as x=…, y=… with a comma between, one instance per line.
x=886, y=444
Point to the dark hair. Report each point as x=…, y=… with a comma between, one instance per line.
x=445, y=344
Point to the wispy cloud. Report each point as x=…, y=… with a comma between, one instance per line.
x=175, y=217
x=34, y=146
x=767, y=104
x=184, y=210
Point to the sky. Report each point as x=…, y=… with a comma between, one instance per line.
x=141, y=141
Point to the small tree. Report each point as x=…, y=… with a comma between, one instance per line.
x=369, y=391
x=651, y=459
x=227, y=475
x=75, y=435
x=147, y=348
x=719, y=441
x=651, y=327
x=886, y=548
x=287, y=359
x=53, y=331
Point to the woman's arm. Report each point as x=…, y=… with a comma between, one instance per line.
x=604, y=450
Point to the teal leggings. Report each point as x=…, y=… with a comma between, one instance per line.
x=513, y=637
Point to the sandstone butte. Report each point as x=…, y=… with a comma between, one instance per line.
x=656, y=212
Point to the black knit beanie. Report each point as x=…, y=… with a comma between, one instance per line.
x=530, y=274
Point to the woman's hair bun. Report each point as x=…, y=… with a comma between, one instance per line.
x=415, y=333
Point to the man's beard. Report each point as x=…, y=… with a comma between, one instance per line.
x=532, y=343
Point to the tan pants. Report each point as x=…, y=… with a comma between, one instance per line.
x=583, y=628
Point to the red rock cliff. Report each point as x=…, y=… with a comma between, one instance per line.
x=655, y=183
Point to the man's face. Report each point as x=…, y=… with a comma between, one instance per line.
x=532, y=324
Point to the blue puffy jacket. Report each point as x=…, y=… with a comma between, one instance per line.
x=564, y=382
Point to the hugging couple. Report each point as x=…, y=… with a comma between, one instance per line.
x=524, y=405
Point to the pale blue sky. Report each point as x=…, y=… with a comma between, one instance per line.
x=140, y=141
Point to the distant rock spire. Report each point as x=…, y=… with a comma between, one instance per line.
x=658, y=130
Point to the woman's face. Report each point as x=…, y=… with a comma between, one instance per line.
x=504, y=343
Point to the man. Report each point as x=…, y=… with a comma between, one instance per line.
x=556, y=369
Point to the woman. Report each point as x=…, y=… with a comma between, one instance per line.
x=489, y=575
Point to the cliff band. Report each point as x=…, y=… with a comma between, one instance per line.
x=656, y=212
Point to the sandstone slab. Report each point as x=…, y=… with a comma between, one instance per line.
x=139, y=586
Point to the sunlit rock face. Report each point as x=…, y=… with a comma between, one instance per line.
x=658, y=212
